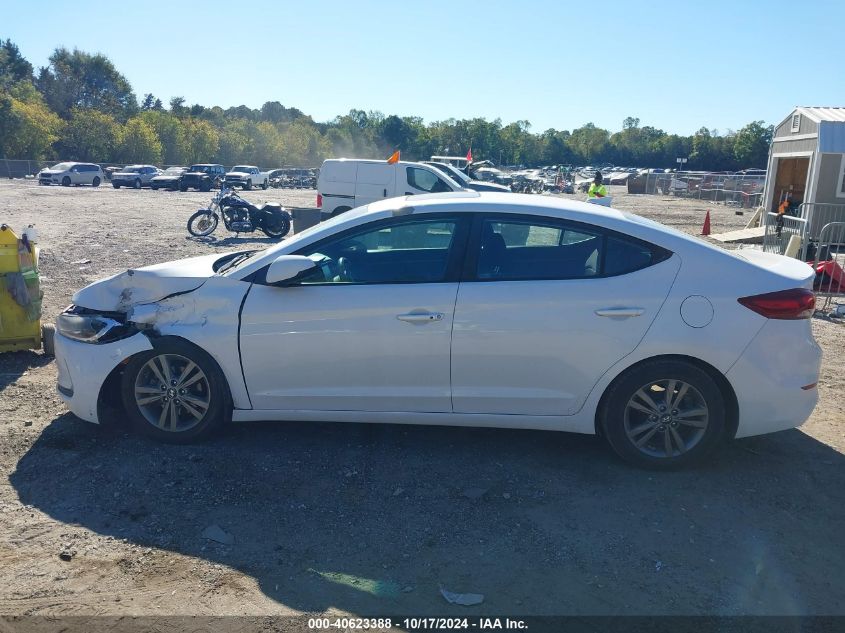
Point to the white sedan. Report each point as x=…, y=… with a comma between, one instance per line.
x=465, y=309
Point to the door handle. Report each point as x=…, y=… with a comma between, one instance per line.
x=409, y=193
x=385, y=193
x=620, y=313
x=420, y=317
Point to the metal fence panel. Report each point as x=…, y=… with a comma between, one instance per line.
x=739, y=190
x=829, y=263
x=778, y=231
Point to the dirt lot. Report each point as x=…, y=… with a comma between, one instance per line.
x=370, y=519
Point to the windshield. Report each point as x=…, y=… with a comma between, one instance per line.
x=457, y=174
x=173, y=171
x=240, y=168
x=201, y=168
x=62, y=166
x=131, y=170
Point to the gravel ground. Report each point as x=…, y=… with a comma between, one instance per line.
x=370, y=519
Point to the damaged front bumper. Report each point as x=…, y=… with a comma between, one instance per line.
x=83, y=368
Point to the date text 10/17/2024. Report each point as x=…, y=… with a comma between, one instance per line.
x=418, y=624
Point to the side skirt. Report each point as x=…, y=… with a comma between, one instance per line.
x=572, y=423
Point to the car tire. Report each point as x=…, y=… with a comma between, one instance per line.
x=66, y=181
x=175, y=392
x=136, y=184
x=205, y=186
x=663, y=414
x=95, y=182
x=340, y=210
x=48, y=339
x=264, y=185
x=154, y=187
x=115, y=185
x=248, y=185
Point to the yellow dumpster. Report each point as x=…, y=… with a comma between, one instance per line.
x=20, y=294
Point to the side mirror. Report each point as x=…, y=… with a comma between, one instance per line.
x=288, y=267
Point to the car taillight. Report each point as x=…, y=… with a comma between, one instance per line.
x=320, y=200
x=797, y=303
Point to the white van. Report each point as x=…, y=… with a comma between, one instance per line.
x=346, y=183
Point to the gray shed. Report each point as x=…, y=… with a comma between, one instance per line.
x=807, y=164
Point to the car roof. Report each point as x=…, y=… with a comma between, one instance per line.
x=532, y=204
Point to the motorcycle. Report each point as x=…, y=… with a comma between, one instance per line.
x=239, y=216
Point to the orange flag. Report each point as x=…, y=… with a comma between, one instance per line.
x=394, y=158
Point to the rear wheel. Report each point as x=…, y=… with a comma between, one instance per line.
x=202, y=223
x=277, y=226
x=663, y=414
x=340, y=210
x=174, y=393
x=264, y=185
x=137, y=183
x=183, y=187
x=95, y=182
x=116, y=185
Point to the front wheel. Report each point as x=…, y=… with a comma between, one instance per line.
x=115, y=185
x=664, y=414
x=95, y=182
x=276, y=226
x=205, y=186
x=248, y=185
x=174, y=393
x=264, y=185
x=66, y=181
x=137, y=183
x=202, y=223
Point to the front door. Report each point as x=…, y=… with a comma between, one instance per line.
x=547, y=307
x=370, y=330
x=418, y=180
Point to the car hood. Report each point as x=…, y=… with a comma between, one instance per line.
x=148, y=284
x=493, y=185
x=238, y=173
x=52, y=172
x=166, y=176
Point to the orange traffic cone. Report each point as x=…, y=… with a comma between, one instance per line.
x=705, y=230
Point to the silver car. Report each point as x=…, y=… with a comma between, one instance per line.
x=136, y=176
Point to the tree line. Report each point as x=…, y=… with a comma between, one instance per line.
x=80, y=107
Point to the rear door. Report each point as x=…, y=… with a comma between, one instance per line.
x=337, y=184
x=545, y=308
x=375, y=181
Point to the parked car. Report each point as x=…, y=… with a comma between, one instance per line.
x=135, y=176
x=168, y=179
x=202, y=177
x=246, y=177
x=345, y=183
x=460, y=177
x=465, y=309
x=67, y=174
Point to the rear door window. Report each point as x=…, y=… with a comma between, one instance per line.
x=523, y=248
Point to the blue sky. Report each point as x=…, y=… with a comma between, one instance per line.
x=675, y=65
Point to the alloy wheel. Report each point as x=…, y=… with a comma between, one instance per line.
x=666, y=418
x=172, y=392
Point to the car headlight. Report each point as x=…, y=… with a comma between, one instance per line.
x=80, y=325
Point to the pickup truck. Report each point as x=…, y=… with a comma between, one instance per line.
x=245, y=177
